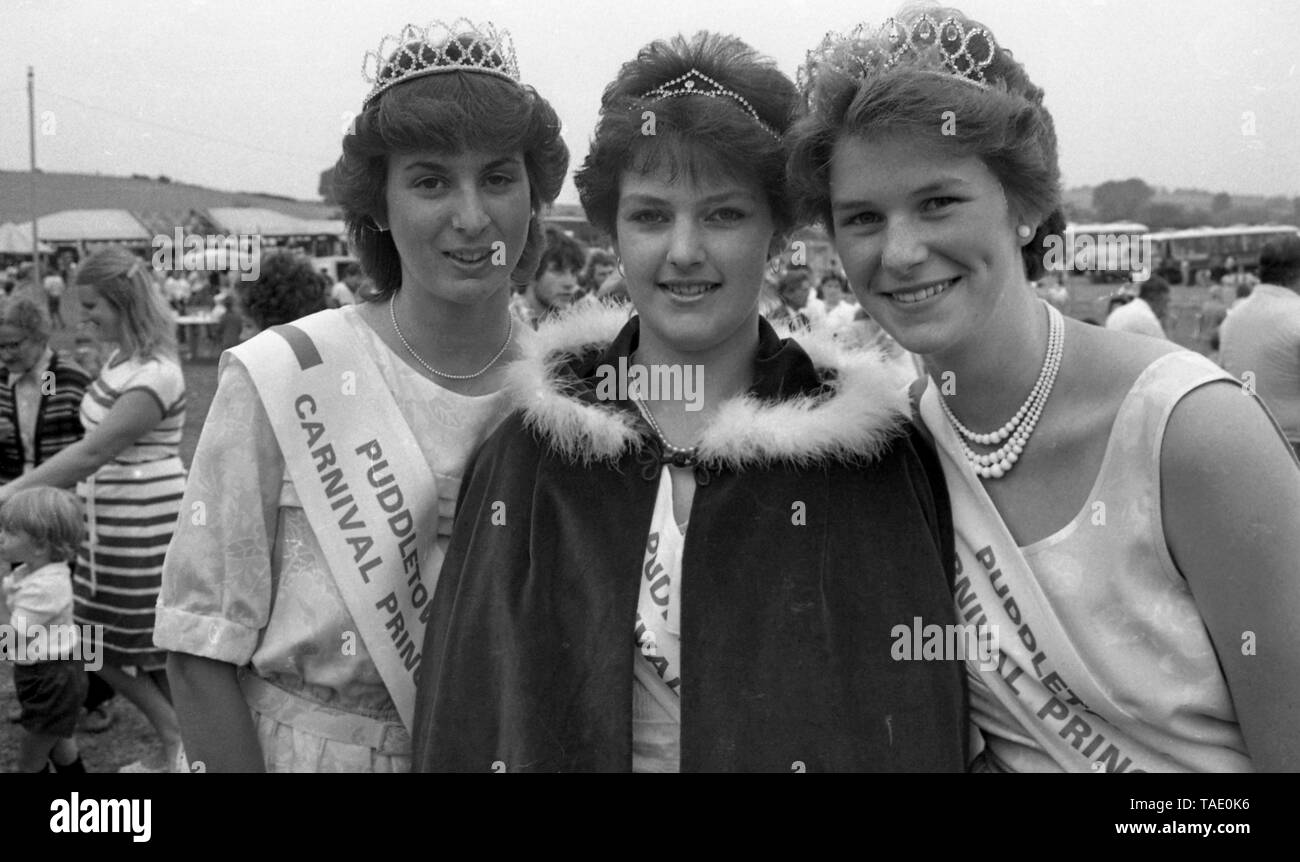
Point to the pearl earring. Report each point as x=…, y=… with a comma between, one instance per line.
x=1025, y=231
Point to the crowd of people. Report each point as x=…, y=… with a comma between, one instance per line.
x=438, y=523
x=50, y=286
x=1249, y=325
x=116, y=439
x=107, y=420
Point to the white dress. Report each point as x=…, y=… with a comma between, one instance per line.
x=251, y=587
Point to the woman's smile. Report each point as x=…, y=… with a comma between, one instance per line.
x=459, y=220
x=690, y=291
x=918, y=294
x=694, y=256
x=926, y=238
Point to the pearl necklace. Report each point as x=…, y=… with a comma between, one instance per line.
x=996, y=464
x=678, y=456
x=510, y=330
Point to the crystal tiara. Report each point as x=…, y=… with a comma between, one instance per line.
x=696, y=83
x=944, y=47
x=461, y=46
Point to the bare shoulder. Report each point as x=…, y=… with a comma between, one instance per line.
x=1220, y=430
x=1100, y=366
x=1115, y=358
x=1230, y=500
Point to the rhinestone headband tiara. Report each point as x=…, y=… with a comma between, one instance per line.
x=944, y=47
x=461, y=46
x=696, y=83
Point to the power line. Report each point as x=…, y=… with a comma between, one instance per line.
x=214, y=138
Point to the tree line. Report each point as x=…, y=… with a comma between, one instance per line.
x=1134, y=200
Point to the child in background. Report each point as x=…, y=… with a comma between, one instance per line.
x=40, y=531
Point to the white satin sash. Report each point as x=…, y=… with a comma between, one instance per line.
x=364, y=484
x=1040, y=677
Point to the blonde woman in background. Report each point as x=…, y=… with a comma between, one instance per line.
x=128, y=472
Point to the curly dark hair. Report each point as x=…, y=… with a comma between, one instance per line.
x=286, y=289
x=697, y=136
x=563, y=252
x=1005, y=125
x=453, y=112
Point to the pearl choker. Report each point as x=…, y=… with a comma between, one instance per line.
x=677, y=456
x=996, y=464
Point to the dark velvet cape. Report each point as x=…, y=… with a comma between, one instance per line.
x=786, y=626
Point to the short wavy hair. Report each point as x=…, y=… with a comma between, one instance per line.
x=1153, y=288
x=562, y=251
x=25, y=314
x=827, y=279
x=1005, y=125
x=453, y=112
x=596, y=257
x=49, y=516
x=286, y=288
x=147, y=322
x=698, y=137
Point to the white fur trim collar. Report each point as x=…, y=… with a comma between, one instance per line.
x=867, y=407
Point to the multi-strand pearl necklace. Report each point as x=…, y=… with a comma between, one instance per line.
x=996, y=464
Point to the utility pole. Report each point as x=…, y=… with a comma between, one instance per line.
x=31, y=138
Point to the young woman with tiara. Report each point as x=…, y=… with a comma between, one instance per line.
x=319, y=506
x=1125, y=516
x=694, y=544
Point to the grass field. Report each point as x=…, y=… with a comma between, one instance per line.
x=1088, y=300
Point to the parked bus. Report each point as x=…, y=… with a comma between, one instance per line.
x=1107, y=251
x=1180, y=254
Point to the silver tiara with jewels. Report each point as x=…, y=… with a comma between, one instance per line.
x=696, y=83
x=461, y=46
x=944, y=47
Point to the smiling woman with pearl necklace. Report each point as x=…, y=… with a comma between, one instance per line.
x=1137, y=512
x=328, y=470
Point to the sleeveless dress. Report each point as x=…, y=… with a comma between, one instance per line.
x=131, y=509
x=1150, y=683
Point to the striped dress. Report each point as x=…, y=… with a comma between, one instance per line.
x=132, y=504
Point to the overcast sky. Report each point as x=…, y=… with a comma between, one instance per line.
x=253, y=95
